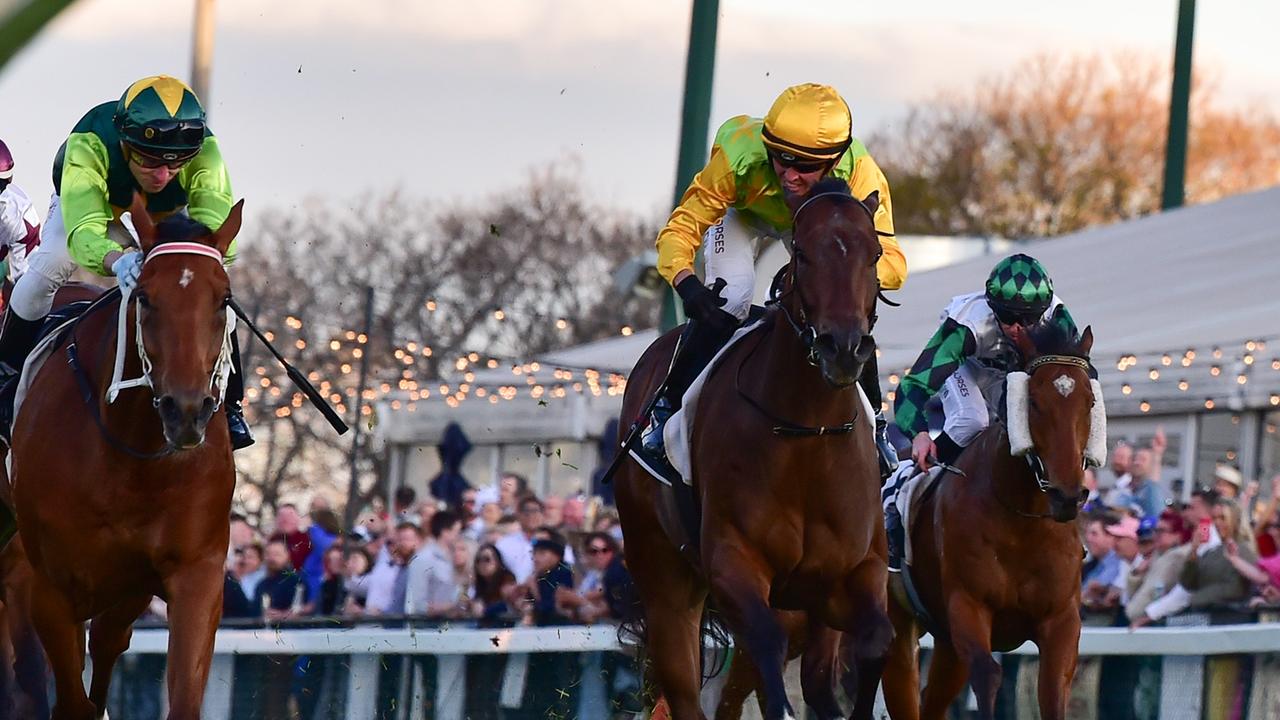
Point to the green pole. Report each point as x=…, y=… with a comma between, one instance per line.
x=695, y=118
x=1175, y=158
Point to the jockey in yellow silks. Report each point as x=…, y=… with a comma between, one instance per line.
x=758, y=172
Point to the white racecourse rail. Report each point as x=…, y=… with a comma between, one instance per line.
x=452, y=645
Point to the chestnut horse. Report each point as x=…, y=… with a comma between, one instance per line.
x=140, y=506
x=785, y=471
x=996, y=555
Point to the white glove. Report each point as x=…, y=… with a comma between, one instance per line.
x=127, y=268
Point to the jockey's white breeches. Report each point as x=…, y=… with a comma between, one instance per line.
x=960, y=408
x=729, y=251
x=51, y=266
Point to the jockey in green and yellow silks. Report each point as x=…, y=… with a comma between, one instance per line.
x=152, y=141
x=758, y=172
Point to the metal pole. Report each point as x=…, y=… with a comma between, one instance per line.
x=695, y=117
x=1175, y=158
x=353, y=491
x=202, y=51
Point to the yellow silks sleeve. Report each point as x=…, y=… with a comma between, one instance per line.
x=865, y=179
x=704, y=204
x=208, y=187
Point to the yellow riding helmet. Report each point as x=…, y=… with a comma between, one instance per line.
x=808, y=122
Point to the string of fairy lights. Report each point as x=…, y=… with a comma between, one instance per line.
x=1146, y=379
x=1179, y=377
x=469, y=376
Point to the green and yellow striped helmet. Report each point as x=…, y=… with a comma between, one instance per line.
x=1019, y=289
x=160, y=116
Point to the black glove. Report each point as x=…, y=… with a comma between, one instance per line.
x=703, y=305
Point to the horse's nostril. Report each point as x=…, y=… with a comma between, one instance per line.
x=866, y=347
x=826, y=343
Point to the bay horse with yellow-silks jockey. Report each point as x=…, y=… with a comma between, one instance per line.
x=996, y=555
x=785, y=470
x=140, y=507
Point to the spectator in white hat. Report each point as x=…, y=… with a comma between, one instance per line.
x=1228, y=481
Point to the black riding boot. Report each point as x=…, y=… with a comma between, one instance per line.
x=241, y=437
x=16, y=341
x=896, y=535
x=870, y=382
x=697, y=347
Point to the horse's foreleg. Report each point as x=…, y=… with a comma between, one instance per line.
x=30, y=692
x=1059, y=640
x=820, y=670
x=62, y=635
x=870, y=632
x=109, y=635
x=740, y=584
x=947, y=677
x=195, y=606
x=970, y=624
x=742, y=681
x=901, y=674
x=673, y=598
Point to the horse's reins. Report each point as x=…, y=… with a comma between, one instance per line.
x=807, y=334
x=1033, y=459
x=218, y=376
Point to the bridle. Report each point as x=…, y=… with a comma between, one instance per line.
x=804, y=330
x=218, y=375
x=1038, y=470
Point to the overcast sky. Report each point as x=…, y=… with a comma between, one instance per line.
x=457, y=101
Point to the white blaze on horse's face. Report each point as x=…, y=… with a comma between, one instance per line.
x=185, y=280
x=1064, y=385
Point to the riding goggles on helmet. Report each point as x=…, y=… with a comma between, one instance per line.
x=169, y=138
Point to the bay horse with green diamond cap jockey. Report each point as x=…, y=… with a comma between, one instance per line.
x=1005, y=400
x=818, y=544
x=153, y=141
x=151, y=473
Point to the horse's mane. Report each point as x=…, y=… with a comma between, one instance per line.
x=829, y=185
x=1056, y=336
x=180, y=228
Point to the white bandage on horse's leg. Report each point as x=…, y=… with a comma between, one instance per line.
x=1016, y=417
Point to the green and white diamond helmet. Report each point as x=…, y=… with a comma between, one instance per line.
x=1019, y=290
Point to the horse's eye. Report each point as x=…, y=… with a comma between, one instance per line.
x=143, y=300
x=226, y=301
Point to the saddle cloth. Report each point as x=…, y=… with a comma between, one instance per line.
x=679, y=426
x=906, y=494
x=51, y=335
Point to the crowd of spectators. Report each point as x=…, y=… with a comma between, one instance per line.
x=497, y=556
x=1149, y=557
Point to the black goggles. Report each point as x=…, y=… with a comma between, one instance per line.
x=1026, y=318
x=797, y=163
x=163, y=134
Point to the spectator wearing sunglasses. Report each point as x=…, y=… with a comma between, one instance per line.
x=759, y=172
x=588, y=604
x=152, y=142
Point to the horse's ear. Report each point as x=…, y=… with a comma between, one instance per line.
x=223, y=236
x=1086, y=341
x=142, y=223
x=872, y=201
